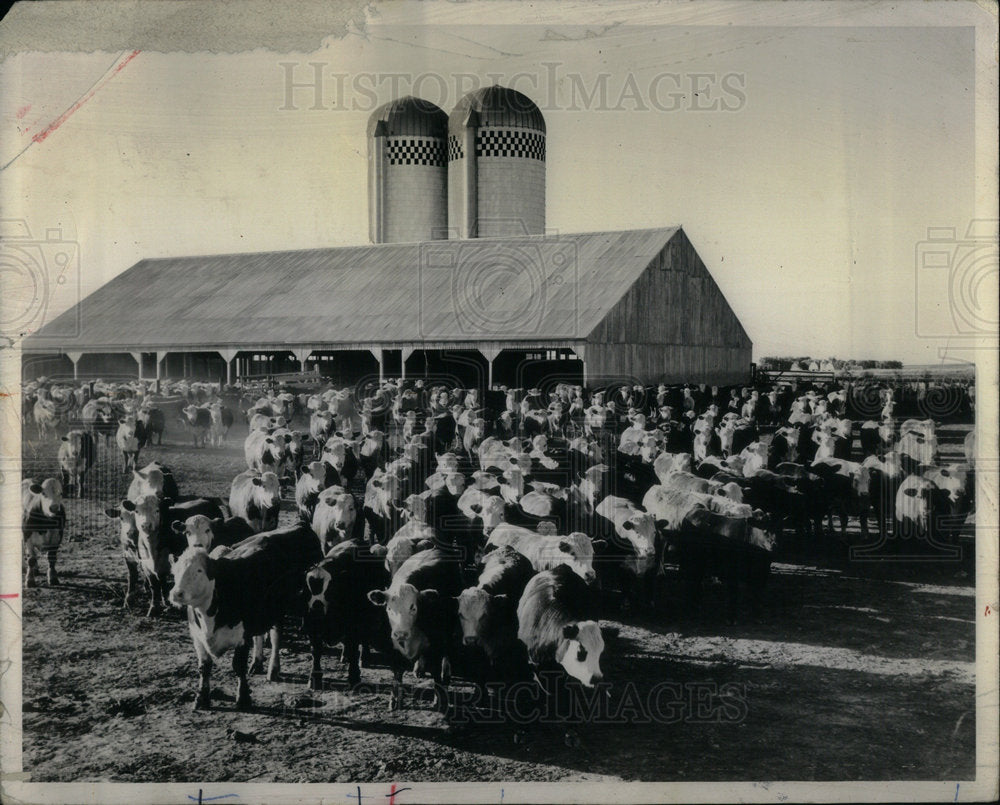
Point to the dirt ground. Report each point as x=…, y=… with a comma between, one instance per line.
x=855, y=670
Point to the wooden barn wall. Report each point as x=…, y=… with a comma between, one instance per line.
x=672, y=325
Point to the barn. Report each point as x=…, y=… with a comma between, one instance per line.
x=461, y=283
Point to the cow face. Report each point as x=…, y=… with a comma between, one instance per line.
x=579, y=652
x=265, y=502
x=402, y=605
x=344, y=514
x=455, y=482
x=577, y=551
x=194, y=579
x=492, y=513
x=335, y=453
x=473, y=607
x=198, y=531
x=48, y=494
x=129, y=534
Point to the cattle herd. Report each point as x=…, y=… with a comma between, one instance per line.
x=451, y=531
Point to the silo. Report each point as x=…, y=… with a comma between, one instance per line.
x=407, y=172
x=496, y=165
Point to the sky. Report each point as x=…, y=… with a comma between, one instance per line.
x=806, y=150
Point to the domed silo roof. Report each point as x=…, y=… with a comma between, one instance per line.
x=409, y=116
x=497, y=107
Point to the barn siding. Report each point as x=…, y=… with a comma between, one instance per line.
x=672, y=325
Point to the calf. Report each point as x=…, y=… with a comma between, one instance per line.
x=263, y=453
x=233, y=598
x=920, y=510
x=557, y=623
x=420, y=605
x=153, y=422
x=335, y=518
x=256, y=497
x=546, y=552
x=43, y=521
x=76, y=456
x=222, y=421
x=128, y=442
x=732, y=548
x=884, y=477
x=46, y=417
x=338, y=610
x=313, y=479
x=846, y=485
x=383, y=509
x=487, y=614
x=98, y=418
x=338, y=452
x=198, y=421
x=629, y=557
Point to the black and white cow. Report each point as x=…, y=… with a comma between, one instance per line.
x=238, y=596
x=338, y=610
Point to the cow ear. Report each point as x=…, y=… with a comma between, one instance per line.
x=114, y=514
x=35, y=489
x=177, y=527
x=378, y=597
x=571, y=631
x=128, y=505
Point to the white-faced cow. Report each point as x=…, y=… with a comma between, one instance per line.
x=236, y=597
x=256, y=497
x=43, y=521
x=76, y=457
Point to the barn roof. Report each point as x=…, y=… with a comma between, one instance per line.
x=542, y=287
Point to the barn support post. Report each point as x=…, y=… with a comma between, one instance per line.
x=228, y=355
x=581, y=353
x=138, y=360
x=301, y=355
x=490, y=353
x=406, y=352
x=377, y=352
x=75, y=358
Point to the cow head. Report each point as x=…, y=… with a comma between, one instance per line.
x=402, y=604
x=48, y=495
x=265, y=501
x=197, y=530
x=455, y=483
x=474, y=608
x=577, y=551
x=579, y=652
x=194, y=579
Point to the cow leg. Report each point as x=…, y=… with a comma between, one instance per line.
x=132, y=580
x=257, y=658
x=274, y=665
x=31, y=554
x=441, y=675
x=366, y=654
x=79, y=484
x=351, y=658
x=52, y=577
x=203, y=701
x=241, y=655
x=396, y=694
x=156, y=596
x=316, y=647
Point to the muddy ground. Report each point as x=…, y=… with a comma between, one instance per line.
x=855, y=670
